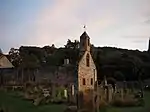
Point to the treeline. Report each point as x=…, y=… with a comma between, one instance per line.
x=122, y=64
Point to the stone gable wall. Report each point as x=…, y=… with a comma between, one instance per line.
x=86, y=72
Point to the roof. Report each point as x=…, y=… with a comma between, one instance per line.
x=4, y=62
x=84, y=35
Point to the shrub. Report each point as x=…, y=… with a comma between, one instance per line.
x=128, y=102
x=103, y=106
x=5, y=109
x=37, y=101
x=8, y=88
x=71, y=109
x=140, y=102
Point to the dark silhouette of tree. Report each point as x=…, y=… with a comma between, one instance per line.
x=14, y=56
x=16, y=60
x=109, y=61
x=72, y=45
x=119, y=76
x=112, y=81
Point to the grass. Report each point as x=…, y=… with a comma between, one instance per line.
x=145, y=108
x=16, y=104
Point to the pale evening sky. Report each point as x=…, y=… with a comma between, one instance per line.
x=115, y=23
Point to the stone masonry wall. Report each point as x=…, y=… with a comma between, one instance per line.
x=87, y=73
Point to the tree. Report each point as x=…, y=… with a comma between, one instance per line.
x=15, y=59
x=76, y=44
x=72, y=45
x=14, y=56
x=112, y=81
x=32, y=58
x=119, y=76
x=69, y=44
x=49, y=50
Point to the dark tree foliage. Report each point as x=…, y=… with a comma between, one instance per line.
x=14, y=57
x=72, y=45
x=121, y=64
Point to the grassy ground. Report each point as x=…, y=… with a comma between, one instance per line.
x=146, y=108
x=17, y=104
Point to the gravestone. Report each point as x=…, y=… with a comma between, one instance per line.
x=122, y=93
x=72, y=90
x=53, y=91
x=110, y=93
x=80, y=100
x=65, y=93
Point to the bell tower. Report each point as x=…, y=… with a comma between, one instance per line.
x=84, y=42
x=87, y=75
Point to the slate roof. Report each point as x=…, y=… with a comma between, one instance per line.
x=84, y=35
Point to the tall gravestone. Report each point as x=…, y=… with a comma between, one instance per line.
x=110, y=93
x=53, y=91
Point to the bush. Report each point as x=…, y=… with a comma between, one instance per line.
x=128, y=102
x=103, y=106
x=140, y=102
x=124, y=103
x=57, y=101
x=71, y=109
x=8, y=88
x=5, y=109
x=37, y=101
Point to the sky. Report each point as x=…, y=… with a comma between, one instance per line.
x=114, y=23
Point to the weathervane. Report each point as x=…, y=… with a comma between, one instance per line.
x=84, y=27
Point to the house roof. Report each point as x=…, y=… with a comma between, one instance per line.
x=4, y=62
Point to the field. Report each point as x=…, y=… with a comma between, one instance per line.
x=14, y=103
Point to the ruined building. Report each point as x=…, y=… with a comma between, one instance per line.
x=86, y=69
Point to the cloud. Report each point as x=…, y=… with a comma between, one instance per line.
x=66, y=19
x=147, y=21
x=109, y=22
x=135, y=36
x=56, y=22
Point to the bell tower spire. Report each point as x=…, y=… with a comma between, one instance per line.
x=84, y=42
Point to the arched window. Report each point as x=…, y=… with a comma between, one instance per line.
x=91, y=81
x=87, y=60
x=88, y=41
x=84, y=83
